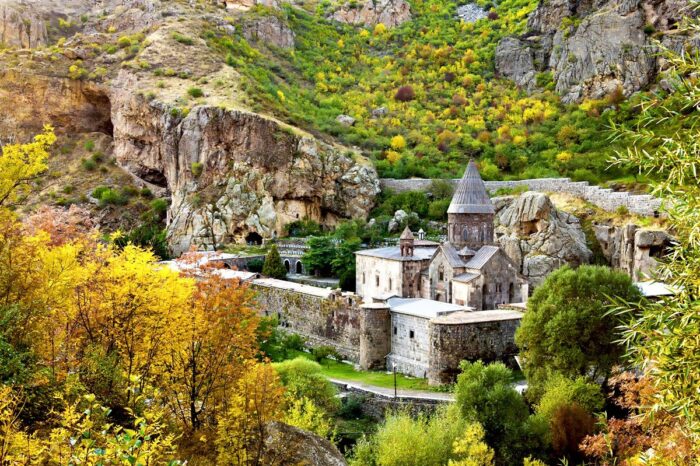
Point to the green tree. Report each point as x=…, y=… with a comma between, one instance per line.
x=567, y=327
x=273, y=266
x=485, y=395
x=302, y=378
x=405, y=440
x=319, y=257
x=343, y=263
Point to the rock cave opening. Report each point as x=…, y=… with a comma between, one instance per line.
x=253, y=239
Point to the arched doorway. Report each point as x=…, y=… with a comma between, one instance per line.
x=286, y=265
x=511, y=293
x=300, y=267
x=253, y=238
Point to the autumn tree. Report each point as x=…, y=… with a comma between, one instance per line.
x=217, y=340
x=23, y=163
x=257, y=400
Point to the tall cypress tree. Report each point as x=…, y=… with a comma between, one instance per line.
x=273, y=267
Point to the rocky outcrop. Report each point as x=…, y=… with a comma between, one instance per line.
x=593, y=49
x=22, y=27
x=390, y=13
x=537, y=236
x=71, y=106
x=632, y=249
x=290, y=446
x=269, y=30
x=232, y=172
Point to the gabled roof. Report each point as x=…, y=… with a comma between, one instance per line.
x=407, y=234
x=482, y=257
x=471, y=196
x=452, y=255
x=394, y=253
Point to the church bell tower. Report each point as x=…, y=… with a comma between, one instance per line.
x=470, y=215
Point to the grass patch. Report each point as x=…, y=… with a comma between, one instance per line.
x=340, y=370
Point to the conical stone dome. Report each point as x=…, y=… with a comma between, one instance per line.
x=471, y=196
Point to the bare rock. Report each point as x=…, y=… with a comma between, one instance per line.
x=253, y=174
x=380, y=112
x=593, y=48
x=390, y=13
x=290, y=446
x=345, y=120
x=633, y=250
x=537, y=236
x=270, y=30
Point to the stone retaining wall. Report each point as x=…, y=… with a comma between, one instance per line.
x=376, y=405
x=606, y=199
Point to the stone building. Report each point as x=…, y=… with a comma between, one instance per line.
x=466, y=270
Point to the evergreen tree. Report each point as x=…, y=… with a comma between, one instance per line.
x=273, y=266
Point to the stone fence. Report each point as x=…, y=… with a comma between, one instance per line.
x=606, y=199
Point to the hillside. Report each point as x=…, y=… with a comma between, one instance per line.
x=245, y=117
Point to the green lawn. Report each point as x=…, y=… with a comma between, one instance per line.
x=339, y=370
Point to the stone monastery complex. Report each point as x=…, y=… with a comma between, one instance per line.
x=421, y=307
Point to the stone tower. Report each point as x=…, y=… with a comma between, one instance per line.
x=406, y=241
x=470, y=215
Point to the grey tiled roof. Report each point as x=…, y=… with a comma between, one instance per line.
x=452, y=255
x=394, y=253
x=465, y=277
x=470, y=196
x=482, y=256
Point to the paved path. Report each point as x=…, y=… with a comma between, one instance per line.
x=400, y=393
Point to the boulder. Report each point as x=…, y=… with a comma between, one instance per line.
x=286, y=445
x=515, y=61
x=537, y=236
x=390, y=13
x=395, y=222
x=345, y=120
x=380, y=112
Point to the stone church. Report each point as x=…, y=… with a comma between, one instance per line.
x=467, y=270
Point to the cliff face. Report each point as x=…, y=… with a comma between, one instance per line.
x=227, y=171
x=594, y=48
x=233, y=172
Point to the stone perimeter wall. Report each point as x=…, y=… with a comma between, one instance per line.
x=606, y=199
x=323, y=321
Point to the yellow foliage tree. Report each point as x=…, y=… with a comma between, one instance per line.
x=471, y=448
x=304, y=414
x=218, y=339
x=398, y=143
x=257, y=400
x=23, y=163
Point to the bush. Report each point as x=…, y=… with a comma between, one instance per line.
x=405, y=94
x=325, y=352
x=273, y=266
x=89, y=145
x=195, y=92
x=197, y=168
x=256, y=265
x=88, y=164
x=182, y=39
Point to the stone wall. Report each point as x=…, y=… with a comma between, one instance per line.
x=606, y=199
x=410, y=345
x=489, y=340
x=323, y=317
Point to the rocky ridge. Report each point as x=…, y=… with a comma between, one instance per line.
x=227, y=170
x=594, y=49
x=390, y=13
x=633, y=249
x=537, y=236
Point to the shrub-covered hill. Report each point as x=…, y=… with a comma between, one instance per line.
x=424, y=95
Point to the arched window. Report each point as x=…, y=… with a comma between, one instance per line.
x=484, y=294
x=465, y=234
x=300, y=268
x=511, y=293
x=286, y=264
x=441, y=273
